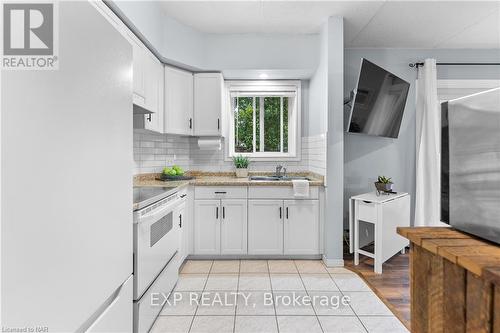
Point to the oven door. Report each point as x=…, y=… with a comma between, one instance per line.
x=156, y=240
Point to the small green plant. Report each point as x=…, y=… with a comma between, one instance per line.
x=241, y=162
x=384, y=180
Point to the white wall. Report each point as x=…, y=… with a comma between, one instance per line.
x=365, y=156
x=182, y=45
x=260, y=51
x=284, y=56
x=146, y=17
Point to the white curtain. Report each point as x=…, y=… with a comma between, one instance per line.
x=428, y=119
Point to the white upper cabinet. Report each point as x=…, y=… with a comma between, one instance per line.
x=178, y=116
x=148, y=86
x=153, y=87
x=139, y=57
x=208, y=101
x=301, y=227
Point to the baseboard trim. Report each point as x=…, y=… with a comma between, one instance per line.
x=333, y=262
x=250, y=256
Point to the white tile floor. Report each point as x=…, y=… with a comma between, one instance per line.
x=234, y=296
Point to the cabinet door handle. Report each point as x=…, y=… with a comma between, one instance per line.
x=223, y=212
x=217, y=213
x=281, y=215
x=220, y=192
x=218, y=123
x=149, y=117
x=190, y=123
x=287, y=213
x=180, y=221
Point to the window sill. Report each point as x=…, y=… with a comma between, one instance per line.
x=274, y=158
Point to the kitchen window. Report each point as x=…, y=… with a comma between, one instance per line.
x=264, y=119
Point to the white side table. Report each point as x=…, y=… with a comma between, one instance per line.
x=386, y=212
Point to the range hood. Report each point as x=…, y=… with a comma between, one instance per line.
x=141, y=115
x=140, y=110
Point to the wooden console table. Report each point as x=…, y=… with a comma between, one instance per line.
x=455, y=281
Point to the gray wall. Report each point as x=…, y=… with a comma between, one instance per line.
x=325, y=115
x=318, y=91
x=366, y=157
x=335, y=146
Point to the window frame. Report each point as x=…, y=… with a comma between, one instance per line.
x=294, y=117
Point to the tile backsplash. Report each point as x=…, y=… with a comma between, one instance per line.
x=152, y=152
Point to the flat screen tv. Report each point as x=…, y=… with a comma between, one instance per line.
x=379, y=102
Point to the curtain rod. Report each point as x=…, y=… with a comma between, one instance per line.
x=421, y=64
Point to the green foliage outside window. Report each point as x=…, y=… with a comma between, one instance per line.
x=272, y=124
x=243, y=125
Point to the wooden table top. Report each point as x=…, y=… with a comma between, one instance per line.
x=476, y=255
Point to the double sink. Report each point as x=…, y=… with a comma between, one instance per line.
x=276, y=178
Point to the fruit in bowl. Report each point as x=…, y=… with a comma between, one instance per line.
x=178, y=170
x=173, y=171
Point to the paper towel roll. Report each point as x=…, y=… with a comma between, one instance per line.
x=209, y=144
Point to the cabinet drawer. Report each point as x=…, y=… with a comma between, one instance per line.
x=145, y=310
x=367, y=211
x=279, y=192
x=219, y=192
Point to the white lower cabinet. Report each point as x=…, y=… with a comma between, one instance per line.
x=265, y=226
x=233, y=226
x=301, y=227
x=289, y=227
x=180, y=219
x=207, y=226
x=220, y=226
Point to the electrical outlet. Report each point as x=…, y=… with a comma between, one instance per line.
x=170, y=160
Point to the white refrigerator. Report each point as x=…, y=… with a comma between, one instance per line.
x=66, y=183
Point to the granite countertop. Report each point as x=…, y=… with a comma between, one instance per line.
x=221, y=179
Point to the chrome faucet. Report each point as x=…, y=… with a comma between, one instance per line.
x=278, y=173
x=279, y=167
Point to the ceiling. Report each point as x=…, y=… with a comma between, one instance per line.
x=381, y=24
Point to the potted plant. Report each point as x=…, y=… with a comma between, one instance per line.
x=241, y=164
x=383, y=184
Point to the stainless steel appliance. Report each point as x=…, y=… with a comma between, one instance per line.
x=156, y=242
x=472, y=157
